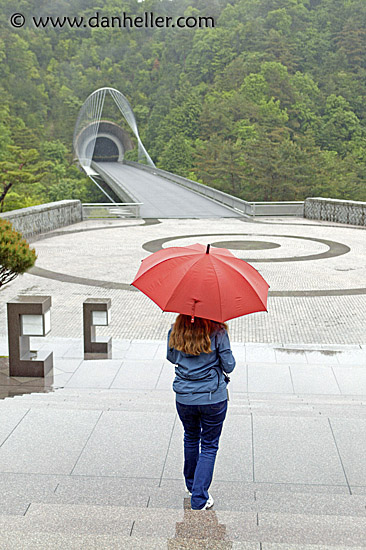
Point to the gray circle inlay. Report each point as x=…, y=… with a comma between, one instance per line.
x=246, y=245
x=335, y=249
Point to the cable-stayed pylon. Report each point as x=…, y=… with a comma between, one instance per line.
x=89, y=119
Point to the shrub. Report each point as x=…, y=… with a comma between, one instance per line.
x=16, y=257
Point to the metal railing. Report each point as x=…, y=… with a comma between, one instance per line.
x=282, y=208
x=239, y=205
x=111, y=210
x=122, y=192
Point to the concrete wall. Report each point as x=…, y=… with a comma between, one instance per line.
x=44, y=217
x=335, y=210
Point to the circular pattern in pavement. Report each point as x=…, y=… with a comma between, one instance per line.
x=334, y=248
x=246, y=245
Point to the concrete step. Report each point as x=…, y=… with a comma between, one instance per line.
x=259, y=400
x=173, y=525
x=163, y=401
x=65, y=541
x=145, y=494
x=34, y=389
x=19, y=490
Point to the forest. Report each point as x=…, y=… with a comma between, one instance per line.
x=269, y=104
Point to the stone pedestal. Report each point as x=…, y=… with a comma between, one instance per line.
x=22, y=360
x=94, y=349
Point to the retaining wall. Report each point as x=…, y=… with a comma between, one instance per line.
x=44, y=217
x=335, y=210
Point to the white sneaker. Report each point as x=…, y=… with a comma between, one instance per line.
x=188, y=491
x=209, y=503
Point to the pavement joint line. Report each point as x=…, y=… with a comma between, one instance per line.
x=253, y=463
x=75, y=371
x=336, y=379
x=157, y=381
x=167, y=452
x=115, y=376
x=340, y=457
x=87, y=441
x=15, y=427
x=81, y=476
x=292, y=380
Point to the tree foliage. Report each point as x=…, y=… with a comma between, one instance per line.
x=16, y=256
x=268, y=105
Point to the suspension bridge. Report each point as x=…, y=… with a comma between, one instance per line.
x=100, y=145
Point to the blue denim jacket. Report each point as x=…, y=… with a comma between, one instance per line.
x=199, y=378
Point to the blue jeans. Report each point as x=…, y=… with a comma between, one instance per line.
x=202, y=424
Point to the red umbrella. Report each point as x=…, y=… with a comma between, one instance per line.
x=202, y=281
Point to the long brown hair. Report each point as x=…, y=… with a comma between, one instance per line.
x=193, y=338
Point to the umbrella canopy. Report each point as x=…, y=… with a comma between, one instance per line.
x=202, y=281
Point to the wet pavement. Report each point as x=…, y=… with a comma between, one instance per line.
x=92, y=456
x=316, y=275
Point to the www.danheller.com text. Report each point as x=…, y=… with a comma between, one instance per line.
x=124, y=20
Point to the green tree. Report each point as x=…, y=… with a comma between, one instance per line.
x=211, y=52
x=269, y=68
x=177, y=156
x=220, y=164
x=5, y=133
x=340, y=129
x=351, y=40
x=16, y=256
x=22, y=170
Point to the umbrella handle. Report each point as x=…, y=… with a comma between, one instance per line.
x=193, y=310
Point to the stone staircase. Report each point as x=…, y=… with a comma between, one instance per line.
x=81, y=512
x=328, y=521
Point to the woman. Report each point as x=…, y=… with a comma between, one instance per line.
x=202, y=354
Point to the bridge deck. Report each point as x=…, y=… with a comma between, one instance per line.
x=160, y=197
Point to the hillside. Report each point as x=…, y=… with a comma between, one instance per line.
x=267, y=104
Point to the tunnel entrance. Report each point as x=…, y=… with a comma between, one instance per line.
x=105, y=150
x=91, y=124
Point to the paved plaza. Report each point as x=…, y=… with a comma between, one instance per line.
x=91, y=457
x=316, y=273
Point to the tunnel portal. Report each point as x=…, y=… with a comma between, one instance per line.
x=108, y=140
x=105, y=150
